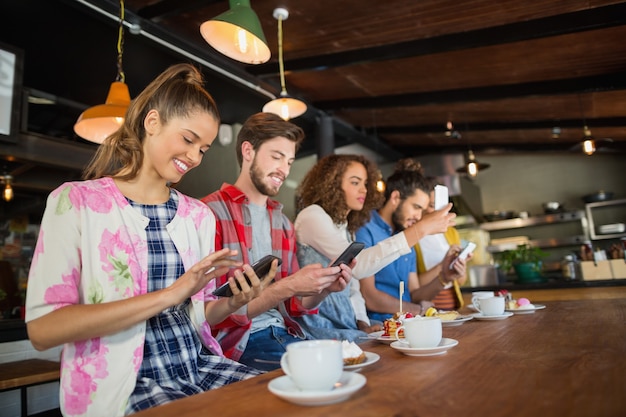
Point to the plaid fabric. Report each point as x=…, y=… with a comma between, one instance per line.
x=175, y=364
x=234, y=230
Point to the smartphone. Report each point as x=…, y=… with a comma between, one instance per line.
x=469, y=248
x=441, y=196
x=349, y=254
x=261, y=268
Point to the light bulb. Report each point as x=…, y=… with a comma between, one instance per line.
x=7, y=194
x=589, y=146
x=284, y=110
x=472, y=169
x=241, y=40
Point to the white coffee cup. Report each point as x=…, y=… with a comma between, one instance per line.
x=492, y=306
x=481, y=294
x=421, y=332
x=313, y=365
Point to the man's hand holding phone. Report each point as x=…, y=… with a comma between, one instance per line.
x=261, y=268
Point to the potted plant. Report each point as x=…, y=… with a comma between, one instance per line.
x=526, y=261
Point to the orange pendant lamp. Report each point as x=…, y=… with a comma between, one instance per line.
x=98, y=122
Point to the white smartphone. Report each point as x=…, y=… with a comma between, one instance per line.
x=469, y=248
x=441, y=196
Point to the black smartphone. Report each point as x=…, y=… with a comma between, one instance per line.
x=349, y=254
x=261, y=268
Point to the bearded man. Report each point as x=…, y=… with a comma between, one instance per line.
x=252, y=223
x=407, y=195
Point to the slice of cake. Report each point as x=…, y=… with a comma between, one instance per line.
x=352, y=353
x=442, y=314
x=390, y=325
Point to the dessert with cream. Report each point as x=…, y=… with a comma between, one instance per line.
x=352, y=353
x=442, y=314
x=520, y=304
x=390, y=325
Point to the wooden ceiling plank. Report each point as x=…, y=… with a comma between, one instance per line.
x=596, y=18
x=583, y=84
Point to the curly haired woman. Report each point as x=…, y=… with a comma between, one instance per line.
x=335, y=199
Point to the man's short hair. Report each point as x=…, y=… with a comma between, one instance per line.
x=261, y=127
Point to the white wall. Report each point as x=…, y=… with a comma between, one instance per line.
x=41, y=397
x=524, y=182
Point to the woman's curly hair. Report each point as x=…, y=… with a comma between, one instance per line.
x=322, y=186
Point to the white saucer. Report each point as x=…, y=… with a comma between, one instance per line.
x=370, y=358
x=525, y=310
x=479, y=316
x=439, y=350
x=456, y=322
x=382, y=339
x=349, y=383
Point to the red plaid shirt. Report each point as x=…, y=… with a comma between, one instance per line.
x=234, y=231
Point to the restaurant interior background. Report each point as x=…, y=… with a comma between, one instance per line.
x=524, y=118
x=515, y=83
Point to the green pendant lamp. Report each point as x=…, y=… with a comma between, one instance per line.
x=237, y=34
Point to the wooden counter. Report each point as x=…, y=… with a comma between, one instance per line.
x=565, y=360
x=564, y=293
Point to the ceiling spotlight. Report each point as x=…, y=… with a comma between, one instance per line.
x=556, y=132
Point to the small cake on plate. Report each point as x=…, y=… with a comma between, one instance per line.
x=443, y=315
x=390, y=325
x=352, y=353
x=520, y=304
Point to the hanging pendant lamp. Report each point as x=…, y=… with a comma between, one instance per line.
x=472, y=166
x=7, y=192
x=589, y=144
x=285, y=106
x=96, y=123
x=237, y=34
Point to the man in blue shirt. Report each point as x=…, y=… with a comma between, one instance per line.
x=406, y=199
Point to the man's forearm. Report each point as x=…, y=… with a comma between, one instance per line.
x=428, y=291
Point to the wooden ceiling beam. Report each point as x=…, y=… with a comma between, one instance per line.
x=492, y=125
x=604, y=82
x=590, y=19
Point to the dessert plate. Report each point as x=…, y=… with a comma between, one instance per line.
x=525, y=310
x=382, y=339
x=456, y=322
x=443, y=348
x=370, y=358
x=350, y=382
x=479, y=316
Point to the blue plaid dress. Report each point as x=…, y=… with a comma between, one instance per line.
x=175, y=363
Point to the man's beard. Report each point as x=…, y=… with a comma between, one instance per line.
x=397, y=220
x=257, y=176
